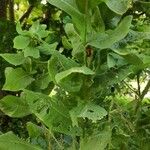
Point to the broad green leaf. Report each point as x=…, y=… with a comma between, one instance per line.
x=118, y=6
x=97, y=141
x=52, y=112
x=14, y=59
x=130, y=57
x=21, y=42
x=91, y=111
x=9, y=141
x=72, y=79
x=78, y=18
x=83, y=70
x=31, y=51
x=14, y=106
x=106, y=40
x=16, y=79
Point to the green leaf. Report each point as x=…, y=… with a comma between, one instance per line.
x=39, y=30
x=59, y=63
x=16, y=79
x=106, y=40
x=43, y=81
x=72, y=79
x=20, y=31
x=130, y=57
x=47, y=50
x=21, y=42
x=66, y=43
x=96, y=141
x=31, y=51
x=75, y=39
x=118, y=6
x=14, y=59
x=111, y=62
x=90, y=111
x=9, y=141
x=83, y=70
x=78, y=18
x=97, y=21
x=14, y=106
x=47, y=109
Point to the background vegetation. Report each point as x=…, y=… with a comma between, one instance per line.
x=75, y=74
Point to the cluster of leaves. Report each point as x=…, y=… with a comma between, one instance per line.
x=72, y=96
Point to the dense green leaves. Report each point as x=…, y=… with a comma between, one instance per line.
x=16, y=79
x=72, y=74
x=73, y=12
x=10, y=141
x=14, y=106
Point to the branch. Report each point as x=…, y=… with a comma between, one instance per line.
x=130, y=88
x=144, y=92
x=26, y=14
x=138, y=84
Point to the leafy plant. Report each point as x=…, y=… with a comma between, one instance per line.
x=73, y=96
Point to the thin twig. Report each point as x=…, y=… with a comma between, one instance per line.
x=144, y=92
x=130, y=88
x=26, y=14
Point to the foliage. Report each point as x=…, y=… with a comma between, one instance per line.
x=78, y=96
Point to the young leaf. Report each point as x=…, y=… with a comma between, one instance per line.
x=31, y=51
x=14, y=59
x=10, y=141
x=14, y=106
x=21, y=42
x=16, y=79
x=106, y=40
